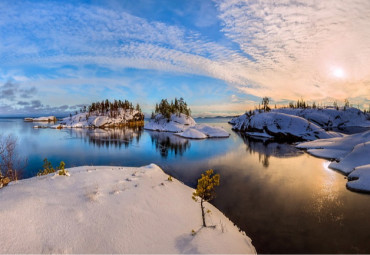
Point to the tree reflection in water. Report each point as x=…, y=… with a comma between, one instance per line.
x=167, y=142
x=267, y=148
x=109, y=137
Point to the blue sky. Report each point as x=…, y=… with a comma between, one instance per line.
x=222, y=56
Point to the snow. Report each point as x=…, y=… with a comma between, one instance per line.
x=111, y=210
x=83, y=120
x=210, y=131
x=330, y=117
x=335, y=148
x=360, y=155
x=42, y=119
x=192, y=133
x=359, y=179
x=281, y=126
x=175, y=124
x=185, y=126
x=350, y=152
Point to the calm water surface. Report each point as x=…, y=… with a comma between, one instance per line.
x=284, y=199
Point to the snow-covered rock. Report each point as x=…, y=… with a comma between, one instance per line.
x=360, y=155
x=184, y=126
x=335, y=148
x=211, y=131
x=175, y=124
x=41, y=119
x=281, y=126
x=111, y=210
x=359, y=179
x=192, y=133
x=84, y=120
x=350, y=152
x=330, y=117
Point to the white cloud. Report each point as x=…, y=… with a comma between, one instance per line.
x=287, y=49
x=296, y=44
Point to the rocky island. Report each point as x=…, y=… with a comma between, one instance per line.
x=41, y=119
x=175, y=117
x=299, y=124
x=105, y=114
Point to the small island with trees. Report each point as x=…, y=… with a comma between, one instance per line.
x=105, y=114
x=176, y=117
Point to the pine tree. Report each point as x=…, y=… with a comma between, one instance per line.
x=265, y=103
x=47, y=168
x=346, y=104
x=206, y=190
x=138, y=108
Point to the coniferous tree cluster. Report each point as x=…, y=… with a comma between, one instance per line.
x=176, y=106
x=304, y=105
x=111, y=109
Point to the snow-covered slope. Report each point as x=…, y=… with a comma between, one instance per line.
x=350, y=152
x=330, y=117
x=281, y=126
x=83, y=120
x=111, y=210
x=184, y=126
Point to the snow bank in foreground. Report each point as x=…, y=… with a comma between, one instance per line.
x=111, y=210
x=350, y=152
x=281, y=126
x=184, y=126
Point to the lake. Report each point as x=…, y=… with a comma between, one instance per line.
x=284, y=199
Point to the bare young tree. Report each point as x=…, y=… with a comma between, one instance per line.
x=10, y=162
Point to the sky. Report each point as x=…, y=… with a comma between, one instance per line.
x=221, y=56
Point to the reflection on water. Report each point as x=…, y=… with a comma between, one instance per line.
x=266, y=148
x=116, y=137
x=285, y=200
x=295, y=205
x=167, y=142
